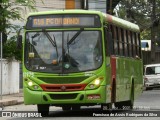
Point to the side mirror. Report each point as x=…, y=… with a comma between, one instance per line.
x=19, y=41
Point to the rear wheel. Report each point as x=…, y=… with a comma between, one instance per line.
x=119, y=105
x=125, y=105
x=43, y=109
x=106, y=106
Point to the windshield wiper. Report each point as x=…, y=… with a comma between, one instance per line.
x=75, y=36
x=53, y=41
x=35, y=35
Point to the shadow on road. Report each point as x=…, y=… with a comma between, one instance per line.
x=87, y=112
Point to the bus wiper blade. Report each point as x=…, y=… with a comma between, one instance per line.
x=75, y=36
x=49, y=37
x=53, y=41
x=35, y=35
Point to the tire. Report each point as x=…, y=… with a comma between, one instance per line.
x=129, y=104
x=76, y=107
x=148, y=88
x=126, y=105
x=43, y=109
x=113, y=92
x=66, y=108
x=118, y=105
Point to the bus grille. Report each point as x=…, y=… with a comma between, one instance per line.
x=63, y=96
x=66, y=80
x=62, y=87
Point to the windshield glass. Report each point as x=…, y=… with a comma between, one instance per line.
x=153, y=70
x=54, y=52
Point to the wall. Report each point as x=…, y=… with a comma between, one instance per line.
x=147, y=57
x=99, y=5
x=10, y=77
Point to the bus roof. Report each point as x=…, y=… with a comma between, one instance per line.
x=121, y=23
x=106, y=17
x=65, y=12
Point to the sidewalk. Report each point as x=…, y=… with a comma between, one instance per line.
x=12, y=99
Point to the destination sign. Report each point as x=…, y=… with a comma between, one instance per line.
x=54, y=21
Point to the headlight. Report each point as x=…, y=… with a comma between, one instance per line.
x=95, y=83
x=31, y=84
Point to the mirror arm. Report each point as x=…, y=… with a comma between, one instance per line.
x=19, y=31
x=19, y=38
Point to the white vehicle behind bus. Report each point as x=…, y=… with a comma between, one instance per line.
x=151, y=76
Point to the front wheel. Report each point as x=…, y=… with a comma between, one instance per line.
x=76, y=107
x=66, y=108
x=43, y=109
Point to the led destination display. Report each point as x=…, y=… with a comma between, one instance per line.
x=51, y=21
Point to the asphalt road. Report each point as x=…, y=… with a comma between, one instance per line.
x=146, y=105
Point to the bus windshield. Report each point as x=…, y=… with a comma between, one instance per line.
x=63, y=51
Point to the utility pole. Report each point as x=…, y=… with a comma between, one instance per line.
x=1, y=58
x=1, y=30
x=110, y=7
x=84, y=4
x=128, y=10
x=153, y=31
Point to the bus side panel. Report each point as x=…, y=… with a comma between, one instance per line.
x=139, y=80
x=108, y=80
x=128, y=71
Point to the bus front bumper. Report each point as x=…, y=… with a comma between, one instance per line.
x=74, y=97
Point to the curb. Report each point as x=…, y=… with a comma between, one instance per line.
x=10, y=102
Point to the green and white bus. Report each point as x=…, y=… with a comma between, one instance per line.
x=74, y=58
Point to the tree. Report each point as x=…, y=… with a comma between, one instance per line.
x=10, y=51
x=7, y=13
x=145, y=13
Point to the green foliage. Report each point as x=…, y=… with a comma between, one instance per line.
x=145, y=35
x=10, y=49
x=142, y=12
x=12, y=10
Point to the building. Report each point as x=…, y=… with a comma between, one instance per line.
x=146, y=52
